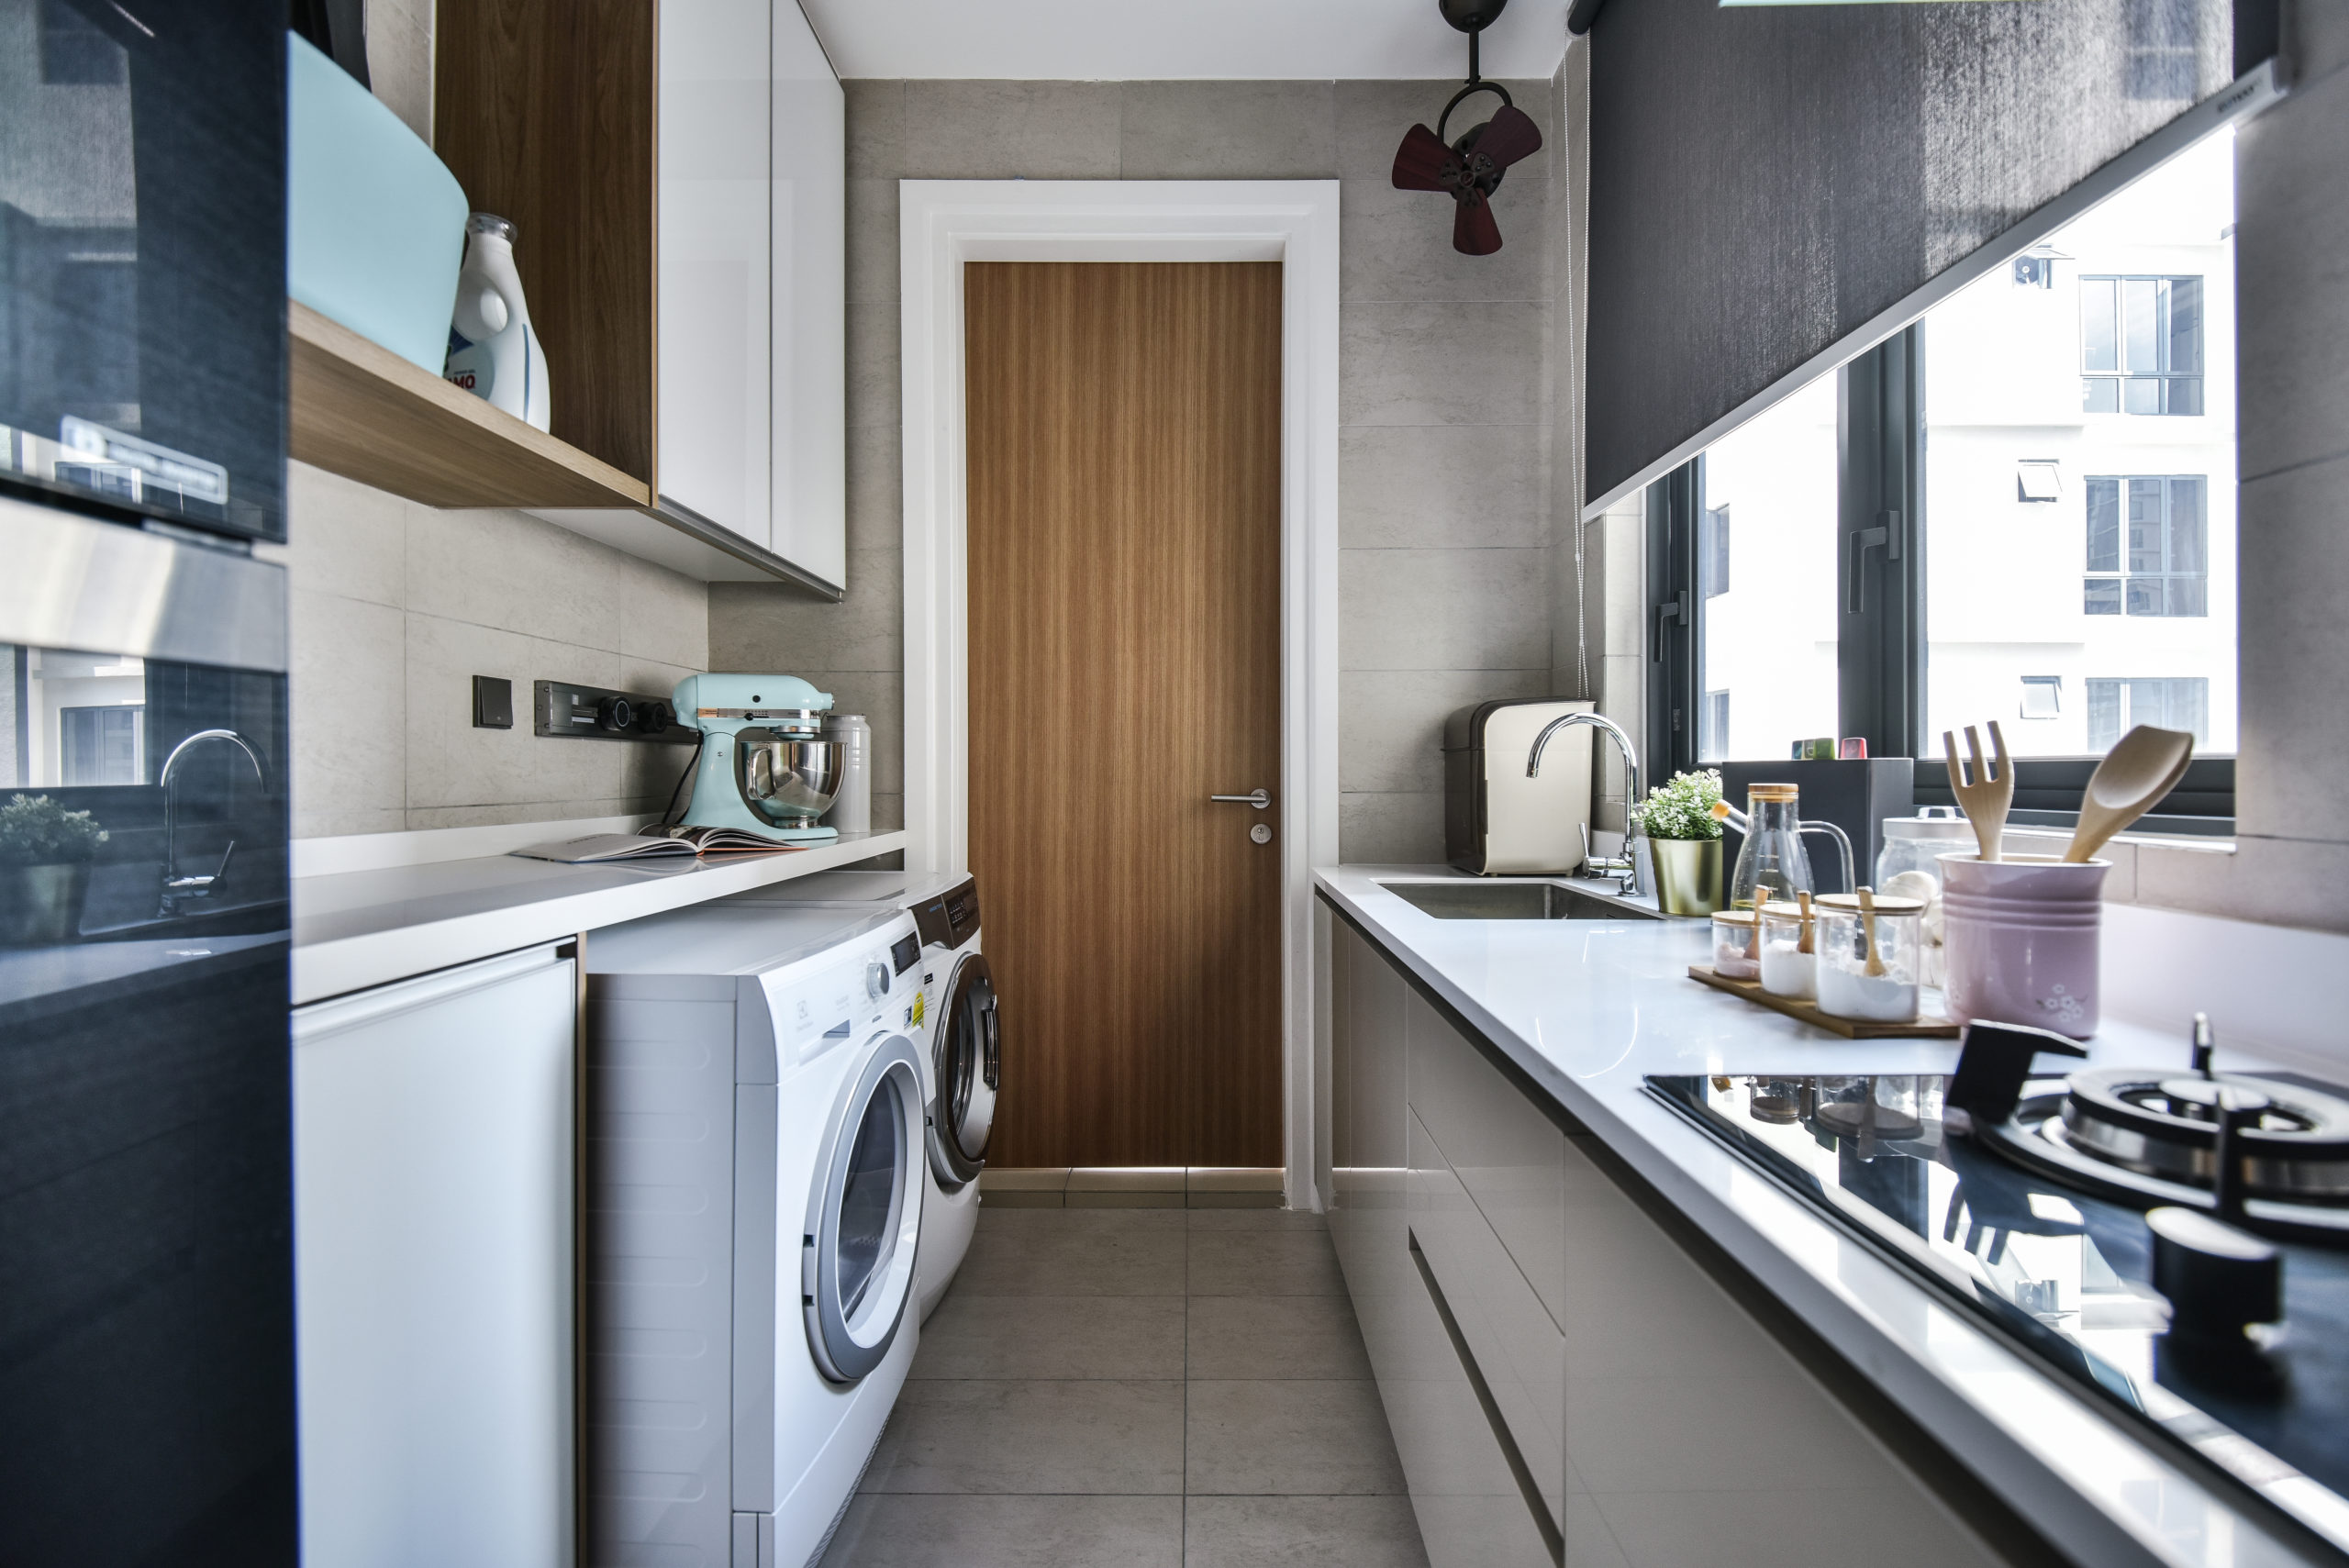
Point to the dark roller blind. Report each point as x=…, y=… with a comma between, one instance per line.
x=1767, y=180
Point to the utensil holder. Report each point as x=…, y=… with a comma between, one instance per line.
x=2023, y=941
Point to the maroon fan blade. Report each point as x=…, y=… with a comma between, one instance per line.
x=1473, y=232
x=1423, y=162
x=1510, y=135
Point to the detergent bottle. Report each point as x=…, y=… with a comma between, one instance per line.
x=492, y=353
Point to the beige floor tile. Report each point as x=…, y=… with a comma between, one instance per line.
x=1032, y=1436
x=1218, y=1199
x=1045, y=1336
x=1288, y=1436
x=1080, y=1198
x=1127, y=1179
x=1235, y=1179
x=1257, y=1220
x=885, y=1531
x=993, y=1180
x=1274, y=1337
x=1016, y=1198
x=1301, y=1532
x=1264, y=1263
x=1075, y=1251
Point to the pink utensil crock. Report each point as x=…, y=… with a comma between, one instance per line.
x=2021, y=937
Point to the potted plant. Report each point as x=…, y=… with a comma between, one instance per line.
x=1683, y=841
x=45, y=854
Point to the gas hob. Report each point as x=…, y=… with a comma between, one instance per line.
x=2082, y=1219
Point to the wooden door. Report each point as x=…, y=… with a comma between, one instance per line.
x=1124, y=440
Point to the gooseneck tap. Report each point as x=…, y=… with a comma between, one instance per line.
x=1629, y=874
x=178, y=889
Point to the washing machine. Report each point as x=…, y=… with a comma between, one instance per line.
x=962, y=1042
x=755, y=1186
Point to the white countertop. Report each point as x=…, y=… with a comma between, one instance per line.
x=1589, y=1008
x=357, y=929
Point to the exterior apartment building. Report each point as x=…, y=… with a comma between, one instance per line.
x=2080, y=519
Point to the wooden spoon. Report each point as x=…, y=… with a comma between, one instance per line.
x=1875, y=965
x=2129, y=782
x=1985, y=797
x=1802, y=942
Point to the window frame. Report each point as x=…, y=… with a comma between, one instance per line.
x=1882, y=635
x=2122, y=375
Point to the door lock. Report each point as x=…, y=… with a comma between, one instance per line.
x=1261, y=833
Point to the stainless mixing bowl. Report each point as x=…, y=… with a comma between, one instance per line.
x=788, y=782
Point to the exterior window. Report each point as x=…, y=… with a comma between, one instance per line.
x=2037, y=480
x=2042, y=697
x=2140, y=345
x=2176, y=702
x=1712, y=735
x=2148, y=549
x=1712, y=552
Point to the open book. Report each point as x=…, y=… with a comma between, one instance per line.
x=591, y=848
x=717, y=840
x=653, y=842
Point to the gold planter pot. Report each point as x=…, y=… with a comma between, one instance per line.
x=41, y=905
x=1687, y=875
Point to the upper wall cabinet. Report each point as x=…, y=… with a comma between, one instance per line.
x=809, y=224
x=676, y=170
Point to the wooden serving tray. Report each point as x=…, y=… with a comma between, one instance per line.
x=1927, y=1025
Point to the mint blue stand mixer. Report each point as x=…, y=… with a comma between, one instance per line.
x=764, y=766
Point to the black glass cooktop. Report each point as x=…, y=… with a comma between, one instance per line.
x=2063, y=1271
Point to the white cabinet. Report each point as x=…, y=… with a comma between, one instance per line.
x=1566, y=1382
x=434, y=1268
x=717, y=360
x=750, y=425
x=809, y=208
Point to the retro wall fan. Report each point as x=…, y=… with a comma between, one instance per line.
x=1470, y=169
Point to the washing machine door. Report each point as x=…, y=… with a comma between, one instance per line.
x=966, y=1061
x=864, y=1213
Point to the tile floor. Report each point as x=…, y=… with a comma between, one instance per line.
x=1142, y=1387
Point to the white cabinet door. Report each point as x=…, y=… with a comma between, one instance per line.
x=715, y=314
x=433, y=1218
x=809, y=201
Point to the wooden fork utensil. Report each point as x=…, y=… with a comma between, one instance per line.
x=1984, y=797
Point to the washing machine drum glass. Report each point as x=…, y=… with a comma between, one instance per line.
x=968, y=1061
x=864, y=1215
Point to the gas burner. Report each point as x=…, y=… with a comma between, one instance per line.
x=2143, y=1137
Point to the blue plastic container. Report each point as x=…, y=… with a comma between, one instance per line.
x=375, y=224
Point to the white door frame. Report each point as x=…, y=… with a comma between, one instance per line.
x=944, y=223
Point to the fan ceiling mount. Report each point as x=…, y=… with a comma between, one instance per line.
x=1470, y=169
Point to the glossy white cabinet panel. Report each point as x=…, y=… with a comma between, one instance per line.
x=1515, y=1348
x=808, y=207
x=1508, y=1154
x=433, y=1161
x=716, y=349
x=1470, y=1508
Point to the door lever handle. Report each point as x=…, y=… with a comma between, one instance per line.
x=1259, y=798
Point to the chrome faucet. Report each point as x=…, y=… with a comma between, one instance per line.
x=178, y=889
x=1627, y=874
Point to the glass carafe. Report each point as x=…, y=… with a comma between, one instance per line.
x=1773, y=859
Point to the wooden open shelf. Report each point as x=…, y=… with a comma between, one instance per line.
x=361, y=411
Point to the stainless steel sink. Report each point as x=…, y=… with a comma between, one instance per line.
x=1511, y=901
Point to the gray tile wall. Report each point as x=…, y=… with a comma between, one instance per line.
x=1448, y=399
x=396, y=607
x=2292, y=859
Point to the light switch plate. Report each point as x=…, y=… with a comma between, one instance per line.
x=492, y=703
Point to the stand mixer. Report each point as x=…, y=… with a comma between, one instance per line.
x=763, y=767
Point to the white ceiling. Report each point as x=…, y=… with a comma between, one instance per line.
x=1145, y=41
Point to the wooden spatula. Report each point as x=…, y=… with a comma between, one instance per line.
x=1984, y=797
x=2129, y=782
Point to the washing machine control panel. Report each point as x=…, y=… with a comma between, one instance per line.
x=846, y=1000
